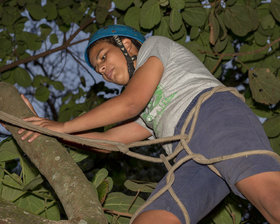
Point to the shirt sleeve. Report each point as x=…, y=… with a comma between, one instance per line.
x=154, y=46
x=142, y=123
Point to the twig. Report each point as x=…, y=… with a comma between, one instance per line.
x=74, y=57
x=48, y=52
x=117, y=213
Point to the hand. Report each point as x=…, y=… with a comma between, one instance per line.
x=42, y=122
x=30, y=135
x=27, y=102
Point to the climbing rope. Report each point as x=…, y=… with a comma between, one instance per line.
x=183, y=139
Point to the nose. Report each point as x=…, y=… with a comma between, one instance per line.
x=101, y=68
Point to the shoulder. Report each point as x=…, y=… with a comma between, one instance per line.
x=158, y=40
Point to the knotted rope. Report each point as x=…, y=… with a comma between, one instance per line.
x=182, y=145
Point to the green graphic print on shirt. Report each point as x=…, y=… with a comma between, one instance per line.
x=156, y=107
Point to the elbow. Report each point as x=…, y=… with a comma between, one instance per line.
x=133, y=110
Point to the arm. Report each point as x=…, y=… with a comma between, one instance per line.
x=125, y=133
x=129, y=104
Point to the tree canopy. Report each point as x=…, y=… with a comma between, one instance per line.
x=41, y=53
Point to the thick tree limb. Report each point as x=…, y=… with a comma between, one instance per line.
x=76, y=193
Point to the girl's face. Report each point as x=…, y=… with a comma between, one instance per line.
x=109, y=61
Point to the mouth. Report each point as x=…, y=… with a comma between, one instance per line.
x=109, y=74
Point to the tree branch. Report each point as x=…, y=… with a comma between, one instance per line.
x=77, y=195
x=65, y=45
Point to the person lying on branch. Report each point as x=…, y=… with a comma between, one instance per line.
x=163, y=81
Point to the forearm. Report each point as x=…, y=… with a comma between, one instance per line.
x=112, y=111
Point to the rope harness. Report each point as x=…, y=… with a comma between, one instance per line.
x=182, y=145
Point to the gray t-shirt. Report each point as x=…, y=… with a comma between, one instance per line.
x=183, y=78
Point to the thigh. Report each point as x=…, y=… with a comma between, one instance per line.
x=198, y=188
x=226, y=126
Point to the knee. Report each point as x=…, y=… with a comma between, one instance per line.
x=263, y=191
x=156, y=217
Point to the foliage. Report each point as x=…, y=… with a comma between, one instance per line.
x=42, y=46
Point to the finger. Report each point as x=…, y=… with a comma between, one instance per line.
x=26, y=135
x=20, y=131
x=33, y=119
x=33, y=137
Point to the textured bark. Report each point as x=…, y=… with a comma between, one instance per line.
x=76, y=193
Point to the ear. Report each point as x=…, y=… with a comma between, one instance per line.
x=127, y=43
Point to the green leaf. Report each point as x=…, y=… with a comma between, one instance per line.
x=275, y=144
x=45, y=30
x=102, y=11
x=78, y=156
x=260, y=39
x=33, y=183
x=31, y=203
x=264, y=86
x=53, y=38
x=229, y=214
x=175, y=20
x=57, y=85
x=163, y=3
x=238, y=19
x=103, y=190
x=194, y=32
x=32, y=41
x=138, y=186
x=100, y=177
x=12, y=187
x=36, y=11
x=9, y=151
x=2, y=174
x=66, y=14
x=22, y=77
x=51, y=11
x=5, y=45
x=272, y=126
x=42, y=94
x=150, y=14
x=40, y=80
x=8, y=77
x=221, y=44
x=123, y=4
x=177, y=4
x=275, y=9
x=220, y=18
x=196, y=49
x=162, y=29
x=195, y=16
x=122, y=203
x=180, y=35
x=9, y=15
x=132, y=17
x=211, y=63
x=267, y=22
x=28, y=170
x=51, y=213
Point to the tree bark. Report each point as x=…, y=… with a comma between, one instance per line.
x=77, y=195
